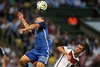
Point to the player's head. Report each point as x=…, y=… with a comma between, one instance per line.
x=38, y=18
x=79, y=49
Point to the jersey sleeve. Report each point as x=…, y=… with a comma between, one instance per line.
x=2, y=51
x=42, y=25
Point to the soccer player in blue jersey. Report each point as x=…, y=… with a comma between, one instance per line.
x=2, y=58
x=42, y=50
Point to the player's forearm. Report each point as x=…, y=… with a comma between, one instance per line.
x=61, y=49
x=24, y=22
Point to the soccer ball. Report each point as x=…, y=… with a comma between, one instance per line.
x=41, y=5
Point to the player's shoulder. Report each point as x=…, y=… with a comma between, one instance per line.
x=66, y=48
x=42, y=24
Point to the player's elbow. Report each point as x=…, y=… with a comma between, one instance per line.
x=36, y=25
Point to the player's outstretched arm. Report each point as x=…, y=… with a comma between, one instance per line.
x=30, y=27
x=20, y=16
x=61, y=49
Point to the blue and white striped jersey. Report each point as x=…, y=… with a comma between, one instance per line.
x=42, y=37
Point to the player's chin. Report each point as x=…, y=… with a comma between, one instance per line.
x=77, y=52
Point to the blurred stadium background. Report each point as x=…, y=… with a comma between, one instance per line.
x=70, y=21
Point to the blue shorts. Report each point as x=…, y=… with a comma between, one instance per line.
x=38, y=55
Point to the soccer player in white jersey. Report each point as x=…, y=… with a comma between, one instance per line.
x=69, y=57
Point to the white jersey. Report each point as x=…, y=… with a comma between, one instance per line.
x=63, y=60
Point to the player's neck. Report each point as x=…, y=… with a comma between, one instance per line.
x=76, y=54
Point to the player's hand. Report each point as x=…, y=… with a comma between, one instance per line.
x=22, y=31
x=20, y=15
